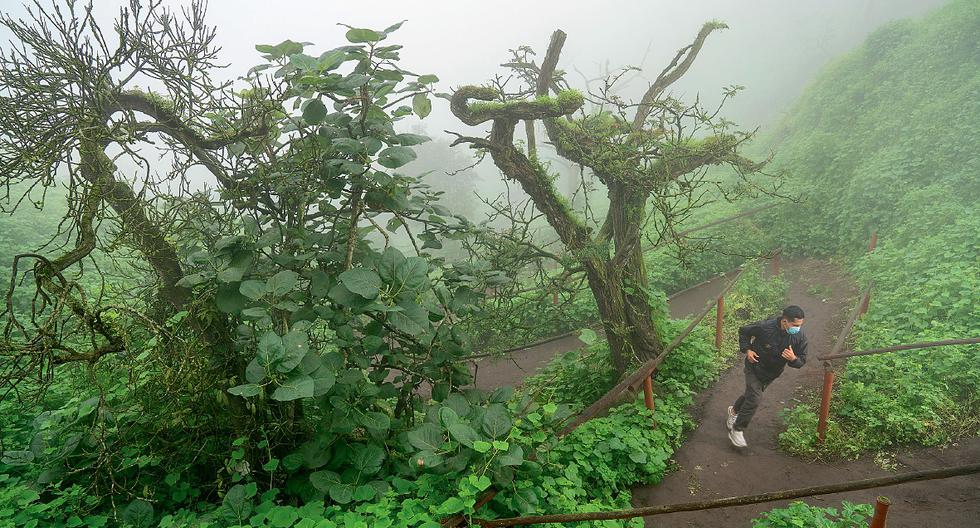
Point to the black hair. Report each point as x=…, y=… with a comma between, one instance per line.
x=792, y=312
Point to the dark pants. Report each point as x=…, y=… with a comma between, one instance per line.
x=747, y=403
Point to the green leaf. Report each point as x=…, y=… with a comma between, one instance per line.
x=295, y=346
x=323, y=381
x=428, y=79
x=390, y=260
x=324, y=480
x=358, y=35
x=376, y=421
x=286, y=47
x=496, y=421
x=413, y=319
x=368, y=459
x=481, y=447
x=363, y=282
x=329, y=60
x=282, y=282
x=413, y=273
x=319, y=284
x=463, y=434
x=394, y=157
x=314, y=111
x=228, y=299
x=428, y=437
x=513, y=457
x=294, y=388
x=237, y=502
x=292, y=462
x=448, y=417
x=342, y=493
x=303, y=61
x=411, y=139
x=270, y=348
x=421, y=105
x=253, y=289
x=254, y=372
x=245, y=391
x=480, y=483
x=450, y=506
x=138, y=514
x=86, y=407
x=426, y=459
x=364, y=492
x=587, y=336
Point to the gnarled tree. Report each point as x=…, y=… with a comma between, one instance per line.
x=652, y=157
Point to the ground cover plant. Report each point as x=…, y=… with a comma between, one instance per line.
x=865, y=166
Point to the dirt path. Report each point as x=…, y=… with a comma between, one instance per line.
x=709, y=467
x=491, y=373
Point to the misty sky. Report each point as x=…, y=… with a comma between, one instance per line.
x=773, y=47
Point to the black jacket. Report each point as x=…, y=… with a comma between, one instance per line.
x=768, y=340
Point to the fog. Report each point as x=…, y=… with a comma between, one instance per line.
x=772, y=47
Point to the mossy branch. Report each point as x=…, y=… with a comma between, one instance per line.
x=542, y=107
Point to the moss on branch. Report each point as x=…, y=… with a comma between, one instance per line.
x=490, y=107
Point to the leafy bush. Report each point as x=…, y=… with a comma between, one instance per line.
x=882, y=142
x=800, y=514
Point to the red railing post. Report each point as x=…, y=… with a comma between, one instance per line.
x=554, y=297
x=719, y=320
x=828, y=387
x=648, y=394
x=775, y=263
x=865, y=304
x=874, y=241
x=881, y=512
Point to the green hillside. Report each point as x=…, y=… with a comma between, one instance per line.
x=886, y=139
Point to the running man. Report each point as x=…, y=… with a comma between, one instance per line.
x=768, y=346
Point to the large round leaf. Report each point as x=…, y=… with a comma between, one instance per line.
x=394, y=157
x=363, y=282
x=428, y=437
x=294, y=388
x=138, y=514
x=282, y=282
x=228, y=299
x=314, y=112
x=413, y=273
x=496, y=421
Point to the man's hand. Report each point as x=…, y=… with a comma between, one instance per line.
x=788, y=354
x=753, y=357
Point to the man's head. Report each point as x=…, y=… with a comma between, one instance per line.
x=792, y=319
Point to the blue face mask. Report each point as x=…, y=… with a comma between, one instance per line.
x=793, y=330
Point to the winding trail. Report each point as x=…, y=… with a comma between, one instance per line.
x=709, y=467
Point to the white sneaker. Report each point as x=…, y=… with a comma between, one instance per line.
x=737, y=438
x=732, y=416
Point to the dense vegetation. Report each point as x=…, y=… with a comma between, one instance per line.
x=323, y=288
x=885, y=139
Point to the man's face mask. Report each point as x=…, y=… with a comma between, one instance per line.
x=793, y=330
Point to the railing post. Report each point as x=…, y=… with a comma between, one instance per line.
x=874, y=241
x=554, y=297
x=828, y=387
x=774, y=262
x=881, y=512
x=648, y=394
x=865, y=304
x=719, y=320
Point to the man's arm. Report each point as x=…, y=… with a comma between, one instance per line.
x=746, y=333
x=800, y=351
